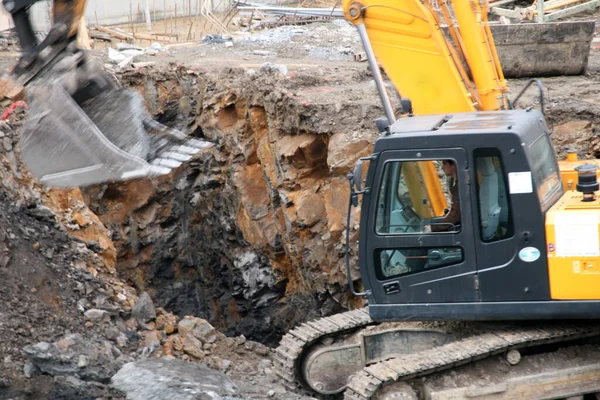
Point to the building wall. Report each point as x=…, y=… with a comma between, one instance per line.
x=110, y=12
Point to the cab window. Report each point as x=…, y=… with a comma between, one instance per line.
x=416, y=197
x=544, y=170
x=495, y=214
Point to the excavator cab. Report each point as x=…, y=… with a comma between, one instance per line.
x=82, y=128
x=495, y=263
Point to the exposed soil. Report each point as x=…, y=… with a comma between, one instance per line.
x=187, y=239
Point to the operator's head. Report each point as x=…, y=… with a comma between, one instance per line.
x=449, y=168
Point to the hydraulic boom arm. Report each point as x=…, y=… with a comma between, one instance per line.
x=442, y=68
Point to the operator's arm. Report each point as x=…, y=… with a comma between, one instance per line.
x=453, y=216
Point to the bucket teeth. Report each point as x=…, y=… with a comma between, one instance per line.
x=156, y=170
x=165, y=162
x=199, y=144
x=176, y=156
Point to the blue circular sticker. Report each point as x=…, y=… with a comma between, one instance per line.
x=529, y=254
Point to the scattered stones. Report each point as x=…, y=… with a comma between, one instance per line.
x=261, y=349
x=115, y=56
x=167, y=322
x=270, y=67
x=96, y=315
x=204, y=331
x=263, y=53
x=7, y=144
x=75, y=355
x=193, y=347
x=144, y=310
x=42, y=212
x=29, y=370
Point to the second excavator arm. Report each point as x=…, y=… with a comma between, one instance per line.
x=83, y=129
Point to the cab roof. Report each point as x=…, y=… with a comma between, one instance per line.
x=514, y=121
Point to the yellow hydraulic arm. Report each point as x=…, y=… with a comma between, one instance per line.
x=444, y=60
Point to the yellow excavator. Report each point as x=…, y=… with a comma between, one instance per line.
x=83, y=129
x=474, y=306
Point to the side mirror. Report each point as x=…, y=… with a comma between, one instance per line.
x=358, y=175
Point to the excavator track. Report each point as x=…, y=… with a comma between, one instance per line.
x=295, y=342
x=372, y=378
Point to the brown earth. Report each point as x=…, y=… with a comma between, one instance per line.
x=248, y=236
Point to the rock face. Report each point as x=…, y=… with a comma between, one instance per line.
x=159, y=379
x=248, y=235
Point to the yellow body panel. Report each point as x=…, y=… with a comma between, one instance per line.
x=425, y=66
x=572, y=235
x=568, y=175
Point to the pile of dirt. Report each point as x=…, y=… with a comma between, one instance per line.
x=45, y=285
x=68, y=323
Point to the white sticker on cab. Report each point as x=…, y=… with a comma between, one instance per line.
x=520, y=182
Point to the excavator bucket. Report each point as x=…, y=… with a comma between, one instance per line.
x=72, y=142
x=543, y=49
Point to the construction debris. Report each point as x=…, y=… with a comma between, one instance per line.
x=543, y=11
x=125, y=54
x=118, y=33
x=269, y=16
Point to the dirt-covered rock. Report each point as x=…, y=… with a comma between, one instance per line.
x=75, y=356
x=159, y=379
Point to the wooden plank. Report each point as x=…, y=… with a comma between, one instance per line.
x=145, y=36
x=10, y=89
x=100, y=36
x=182, y=44
x=83, y=39
x=143, y=64
x=114, y=33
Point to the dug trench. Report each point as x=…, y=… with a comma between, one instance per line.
x=249, y=234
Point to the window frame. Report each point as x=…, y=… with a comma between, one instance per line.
x=396, y=193
x=545, y=199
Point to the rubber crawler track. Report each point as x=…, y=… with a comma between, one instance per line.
x=289, y=353
x=373, y=377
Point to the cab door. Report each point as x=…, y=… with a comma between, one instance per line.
x=407, y=260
